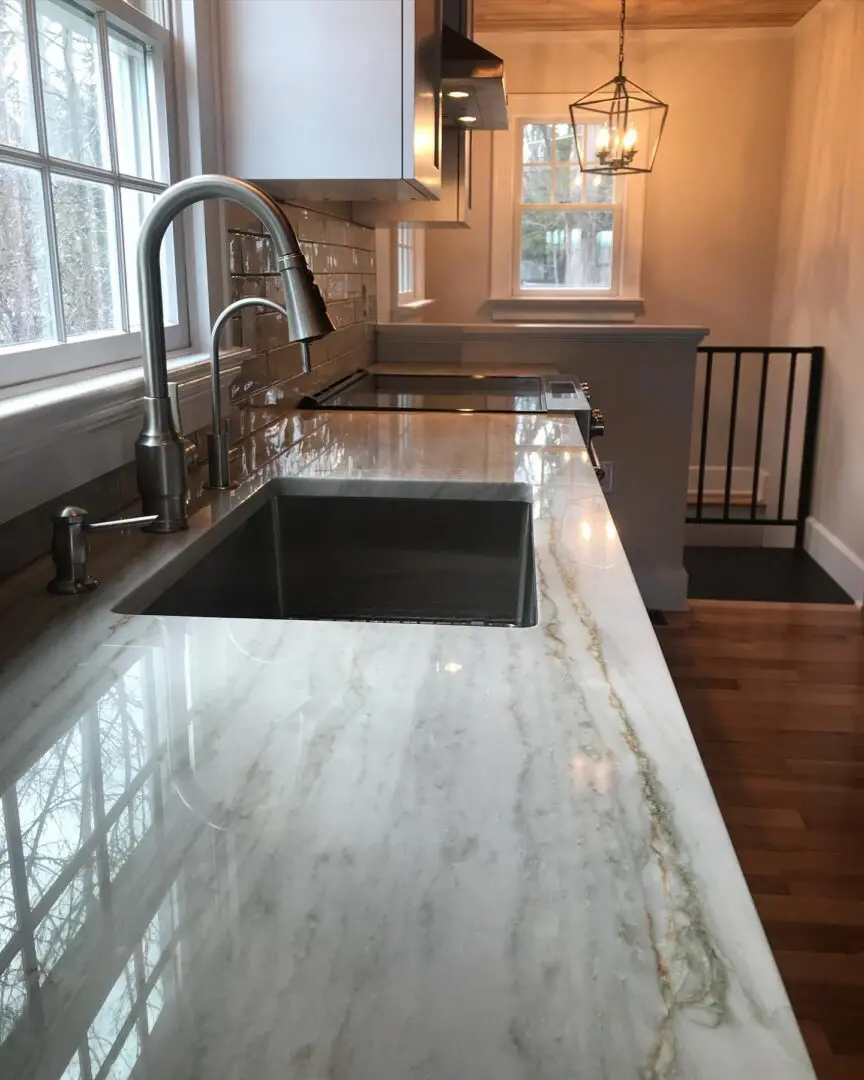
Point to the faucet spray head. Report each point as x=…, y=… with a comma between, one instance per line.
x=304, y=304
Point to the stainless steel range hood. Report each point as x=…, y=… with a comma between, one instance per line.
x=476, y=77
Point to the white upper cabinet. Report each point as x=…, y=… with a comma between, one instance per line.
x=333, y=99
x=454, y=205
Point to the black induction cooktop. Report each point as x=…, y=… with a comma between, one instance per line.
x=449, y=393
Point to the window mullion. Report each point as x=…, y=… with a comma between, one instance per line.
x=105, y=64
x=105, y=58
x=121, y=256
x=32, y=30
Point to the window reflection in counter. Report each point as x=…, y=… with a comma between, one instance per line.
x=127, y=1017
x=71, y=820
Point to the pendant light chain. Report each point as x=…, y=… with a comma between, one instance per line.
x=621, y=38
x=628, y=122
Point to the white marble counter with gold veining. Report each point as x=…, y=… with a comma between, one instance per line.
x=241, y=849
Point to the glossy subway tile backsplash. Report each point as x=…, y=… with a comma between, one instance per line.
x=341, y=254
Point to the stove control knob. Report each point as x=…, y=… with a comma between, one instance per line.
x=598, y=423
x=586, y=389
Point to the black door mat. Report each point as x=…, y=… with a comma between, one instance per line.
x=779, y=575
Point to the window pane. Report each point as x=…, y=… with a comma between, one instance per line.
x=124, y=1063
x=72, y=1070
x=56, y=810
x=17, y=115
x=87, y=246
x=565, y=143
x=67, y=916
x=405, y=259
x=128, y=831
x=568, y=184
x=591, y=131
x=112, y=1016
x=566, y=249
x=155, y=1003
x=75, y=112
x=26, y=313
x=154, y=9
x=122, y=738
x=536, y=142
x=129, y=86
x=536, y=185
x=599, y=188
x=136, y=206
x=13, y=996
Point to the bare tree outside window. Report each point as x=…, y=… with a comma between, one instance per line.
x=82, y=157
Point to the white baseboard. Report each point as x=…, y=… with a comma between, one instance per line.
x=837, y=560
x=715, y=484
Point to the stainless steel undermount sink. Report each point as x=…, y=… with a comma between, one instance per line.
x=380, y=551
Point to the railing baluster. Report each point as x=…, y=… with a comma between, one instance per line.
x=733, y=416
x=760, y=426
x=809, y=438
x=787, y=429
x=703, y=450
x=808, y=456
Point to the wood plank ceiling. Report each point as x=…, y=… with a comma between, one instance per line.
x=654, y=14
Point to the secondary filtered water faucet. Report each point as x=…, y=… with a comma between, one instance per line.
x=217, y=440
x=159, y=452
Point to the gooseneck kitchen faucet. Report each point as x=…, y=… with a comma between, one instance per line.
x=158, y=451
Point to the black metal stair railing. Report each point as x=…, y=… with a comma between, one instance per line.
x=775, y=417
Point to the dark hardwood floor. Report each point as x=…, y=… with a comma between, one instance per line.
x=775, y=697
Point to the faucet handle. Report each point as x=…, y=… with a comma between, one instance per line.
x=69, y=547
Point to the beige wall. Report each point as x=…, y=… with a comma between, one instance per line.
x=820, y=269
x=713, y=199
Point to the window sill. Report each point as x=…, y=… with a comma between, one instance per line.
x=59, y=433
x=565, y=309
x=411, y=311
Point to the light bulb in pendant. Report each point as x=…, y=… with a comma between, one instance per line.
x=603, y=138
x=630, y=138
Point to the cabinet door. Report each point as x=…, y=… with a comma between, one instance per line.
x=422, y=86
x=453, y=207
x=314, y=91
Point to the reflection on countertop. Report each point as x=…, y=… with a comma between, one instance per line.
x=248, y=848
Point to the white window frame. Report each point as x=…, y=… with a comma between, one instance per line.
x=24, y=364
x=519, y=208
x=410, y=275
x=621, y=302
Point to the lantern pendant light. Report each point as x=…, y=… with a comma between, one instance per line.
x=625, y=143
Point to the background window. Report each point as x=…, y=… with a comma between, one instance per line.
x=565, y=220
x=406, y=262
x=83, y=155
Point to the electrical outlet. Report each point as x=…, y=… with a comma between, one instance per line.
x=606, y=482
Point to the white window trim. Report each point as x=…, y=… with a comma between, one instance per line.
x=195, y=147
x=59, y=432
x=393, y=307
x=507, y=301
x=33, y=363
x=417, y=248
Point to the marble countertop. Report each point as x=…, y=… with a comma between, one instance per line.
x=241, y=849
